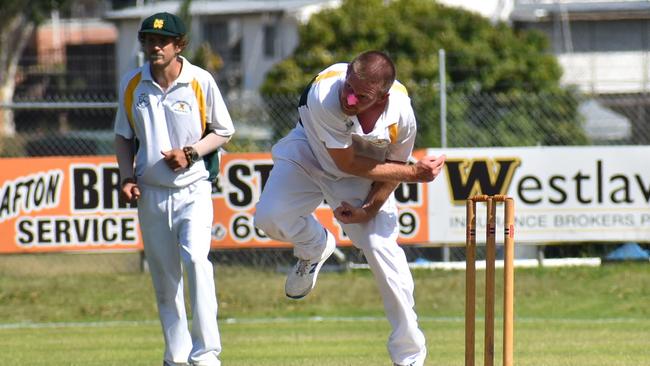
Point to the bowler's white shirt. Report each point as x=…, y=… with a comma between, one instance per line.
x=326, y=126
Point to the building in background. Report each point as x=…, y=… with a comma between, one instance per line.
x=603, y=47
x=604, y=50
x=249, y=36
x=69, y=56
x=495, y=10
x=71, y=52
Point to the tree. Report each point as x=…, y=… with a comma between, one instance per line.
x=20, y=18
x=483, y=59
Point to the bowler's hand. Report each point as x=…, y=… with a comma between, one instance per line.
x=348, y=214
x=131, y=192
x=175, y=159
x=428, y=168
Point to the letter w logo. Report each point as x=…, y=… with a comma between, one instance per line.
x=467, y=178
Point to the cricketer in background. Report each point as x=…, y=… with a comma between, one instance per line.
x=177, y=115
x=356, y=132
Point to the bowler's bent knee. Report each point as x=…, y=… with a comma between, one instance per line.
x=265, y=220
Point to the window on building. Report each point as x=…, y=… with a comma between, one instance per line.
x=217, y=35
x=225, y=39
x=270, y=32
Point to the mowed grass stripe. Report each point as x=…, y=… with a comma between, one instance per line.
x=329, y=342
x=134, y=323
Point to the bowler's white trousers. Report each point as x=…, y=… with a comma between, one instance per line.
x=295, y=188
x=175, y=225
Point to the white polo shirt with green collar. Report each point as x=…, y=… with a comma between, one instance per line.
x=164, y=120
x=326, y=126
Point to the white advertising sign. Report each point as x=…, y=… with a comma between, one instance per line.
x=562, y=194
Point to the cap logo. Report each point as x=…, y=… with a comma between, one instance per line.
x=158, y=23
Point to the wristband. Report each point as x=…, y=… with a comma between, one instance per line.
x=128, y=180
x=191, y=155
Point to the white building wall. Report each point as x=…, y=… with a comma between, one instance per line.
x=127, y=47
x=495, y=10
x=606, y=72
x=255, y=63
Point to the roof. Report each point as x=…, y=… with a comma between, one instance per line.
x=217, y=7
x=543, y=10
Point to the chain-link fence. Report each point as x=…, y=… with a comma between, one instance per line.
x=82, y=125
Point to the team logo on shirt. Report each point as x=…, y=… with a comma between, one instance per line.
x=348, y=126
x=143, y=101
x=181, y=107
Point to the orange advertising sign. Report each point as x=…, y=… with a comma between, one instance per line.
x=239, y=188
x=64, y=204
x=73, y=204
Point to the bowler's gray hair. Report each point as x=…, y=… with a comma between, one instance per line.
x=376, y=67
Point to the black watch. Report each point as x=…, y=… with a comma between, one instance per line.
x=191, y=155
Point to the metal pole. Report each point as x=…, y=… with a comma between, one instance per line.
x=443, y=99
x=443, y=124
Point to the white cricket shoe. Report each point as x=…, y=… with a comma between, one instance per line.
x=302, y=277
x=419, y=362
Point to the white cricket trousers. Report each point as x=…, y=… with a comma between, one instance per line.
x=175, y=225
x=295, y=188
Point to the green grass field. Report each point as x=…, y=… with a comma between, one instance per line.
x=564, y=316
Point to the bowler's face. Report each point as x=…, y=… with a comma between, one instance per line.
x=160, y=50
x=358, y=95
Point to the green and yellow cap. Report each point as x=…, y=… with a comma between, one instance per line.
x=165, y=24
